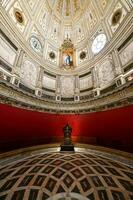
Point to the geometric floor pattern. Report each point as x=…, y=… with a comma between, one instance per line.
x=42, y=177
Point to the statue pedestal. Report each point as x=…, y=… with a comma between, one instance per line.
x=67, y=145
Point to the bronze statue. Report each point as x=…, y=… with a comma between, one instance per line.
x=67, y=145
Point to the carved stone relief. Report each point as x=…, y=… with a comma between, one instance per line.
x=48, y=82
x=91, y=16
x=79, y=33
x=6, y=52
x=67, y=84
x=86, y=82
x=54, y=35
x=127, y=54
x=29, y=72
x=44, y=20
x=105, y=72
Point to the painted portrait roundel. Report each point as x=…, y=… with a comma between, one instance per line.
x=116, y=17
x=19, y=16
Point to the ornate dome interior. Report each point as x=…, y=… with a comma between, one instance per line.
x=66, y=63
x=66, y=56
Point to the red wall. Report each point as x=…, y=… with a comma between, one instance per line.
x=19, y=128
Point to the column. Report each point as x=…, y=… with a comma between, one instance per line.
x=58, y=92
x=77, y=91
x=38, y=91
x=95, y=82
x=17, y=68
x=118, y=69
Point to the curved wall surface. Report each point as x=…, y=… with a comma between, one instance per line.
x=21, y=128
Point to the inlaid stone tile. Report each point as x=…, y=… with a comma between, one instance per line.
x=130, y=197
x=129, y=174
x=26, y=180
x=78, y=162
x=18, y=195
x=68, y=158
x=90, y=155
x=103, y=195
x=19, y=164
x=5, y=174
x=48, y=169
x=79, y=156
x=51, y=184
x=43, y=176
x=76, y=190
x=88, y=170
x=60, y=189
x=89, y=161
x=68, y=180
x=118, y=195
x=85, y=184
x=96, y=180
x=99, y=169
x=36, y=169
x=117, y=165
x=33, y=194
x=77, y=173
x=3, y=197
x=8, y=184
x=58, y=173
x=109, y=181
x=21, y=171
x=45, y=196
x=91, y=196
x=67, y=166
x=126, y=184
x=33, y=162
x=2, y=168
x=57, y=162
x=101, y=162
x=113, y=171
x=39, y=180
x=45, y=161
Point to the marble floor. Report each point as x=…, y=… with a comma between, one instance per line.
x=70, y=176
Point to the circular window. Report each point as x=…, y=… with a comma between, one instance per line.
x=35, y=44
x=19, y=16
x=116, y=17
x=99, y=43
x=82, y=55
x=52, y=55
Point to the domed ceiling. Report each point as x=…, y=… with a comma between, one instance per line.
x=86, y=44
x=68, y=8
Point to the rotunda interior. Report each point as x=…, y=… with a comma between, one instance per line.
x=66, y=62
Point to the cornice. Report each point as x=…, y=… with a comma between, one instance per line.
x=14, y=96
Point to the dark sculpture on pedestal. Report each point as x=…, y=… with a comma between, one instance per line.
x=67, y=145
